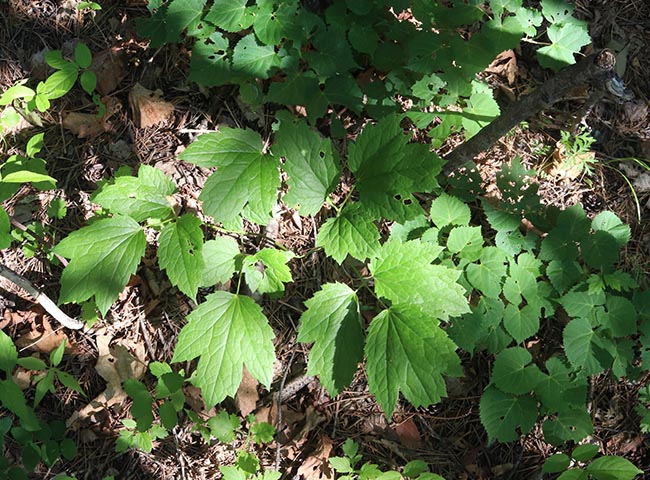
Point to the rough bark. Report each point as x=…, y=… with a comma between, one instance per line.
x=596, y=68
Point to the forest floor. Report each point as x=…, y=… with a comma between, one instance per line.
x=149, y=314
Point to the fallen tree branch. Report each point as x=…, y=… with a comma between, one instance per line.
x=45, y=301
x=597, y=68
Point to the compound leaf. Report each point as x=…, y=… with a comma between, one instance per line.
x=103, y=256
x=566, y=40
x=226, y=332
x=267, y=271
x=180, y=253
x=141, y=197
x=310, y=162
x=502, y=413
x=351, y=232
x=408, y=351
x=333, y=322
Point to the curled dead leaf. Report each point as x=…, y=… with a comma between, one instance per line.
x=148, y=107
x=84, y=125
x=246, y=397
x=110, y=68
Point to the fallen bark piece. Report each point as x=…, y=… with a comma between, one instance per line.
x=148, y=107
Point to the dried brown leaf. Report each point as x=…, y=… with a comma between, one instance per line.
x=110, y=68
x=148, y=107
x=408, y=434
x=246, y=397
x=316, y=466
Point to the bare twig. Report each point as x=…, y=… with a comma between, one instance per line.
x=597, y=68
x=49, y=306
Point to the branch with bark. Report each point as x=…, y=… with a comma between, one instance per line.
x=596, y=69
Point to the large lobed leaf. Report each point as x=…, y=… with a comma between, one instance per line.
x=226, y=332
x=407, y=351
x=351, y=232
x=103, y=256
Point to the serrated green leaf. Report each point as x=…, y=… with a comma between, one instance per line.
x=610, y=223
x=388, y=169
x=558, y=390
x=584, y=348
x=103, y=256
x=467, y=242
x=600, y=250
x=223, y=426
x=168, y=416
x=8, y=353
x=502, y=414
x=262, y=432
x=226, y=332
x=620, y=318
x=311, y=163
x=556, y=463
x=585, y=452
x=403, y=274
x=563, y=275
x=179, y=15
x=246, y=175
x=230, y=15
x=488, y=275
x=300, y=89
x=5, y=228
x=180, y=253
x=219, y=256
x=210, y=64
x=333, y=322
x=408, y=352
x=566, y=40
x=447, y=210
x=513, y=372
x=481, y=109
x=254, y=60
x=613, y=468
x=142, y=405
x=267, y=271
x=141, y=197
x=351, y=232
x=582, y=304
x=569, y=425
x=521, y=322
x=275, y=21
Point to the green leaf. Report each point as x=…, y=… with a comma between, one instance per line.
x=612, y=468
x=12, y=398
x=16, y=92
x=246, y=175
x=300, y=89
x=69, y=381
x=180, y=15
x=610, y=223
x=467, y=242
x=558, y=390
x=8, y=353
x=254, y=60
x=210, y=64
x=566, y=40
x=141, y=197
x=600, y=250
x=584, y=348
x=230, y=15
x=408, y=352
x=262, y=432
x=5, y=229
x=488, y=275
x=82, y=55
x=351, y=232
x=32, y=363
x=310, y=162
x=142, y=405
x=56, y=355
x=563, y=275
x=168, y=415
x=388, y=169
x=224, y=426
x=267, y=271
x=620, y=318
x=513, y=372
x=448, y=210
x=481, y=109
x=219, y=256
x=403, y=274
x=570, y=425
x=275, y=21
x=59, y=83
x=88, y=81
x=333, y=322
x=226, y=332
x=103, y=256
x=556, y=463
x=502, y=413
x=180, y=253
x=585, y=452
x=521, y=323
x=582, y=304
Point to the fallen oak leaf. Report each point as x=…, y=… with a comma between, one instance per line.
x=316, y=466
